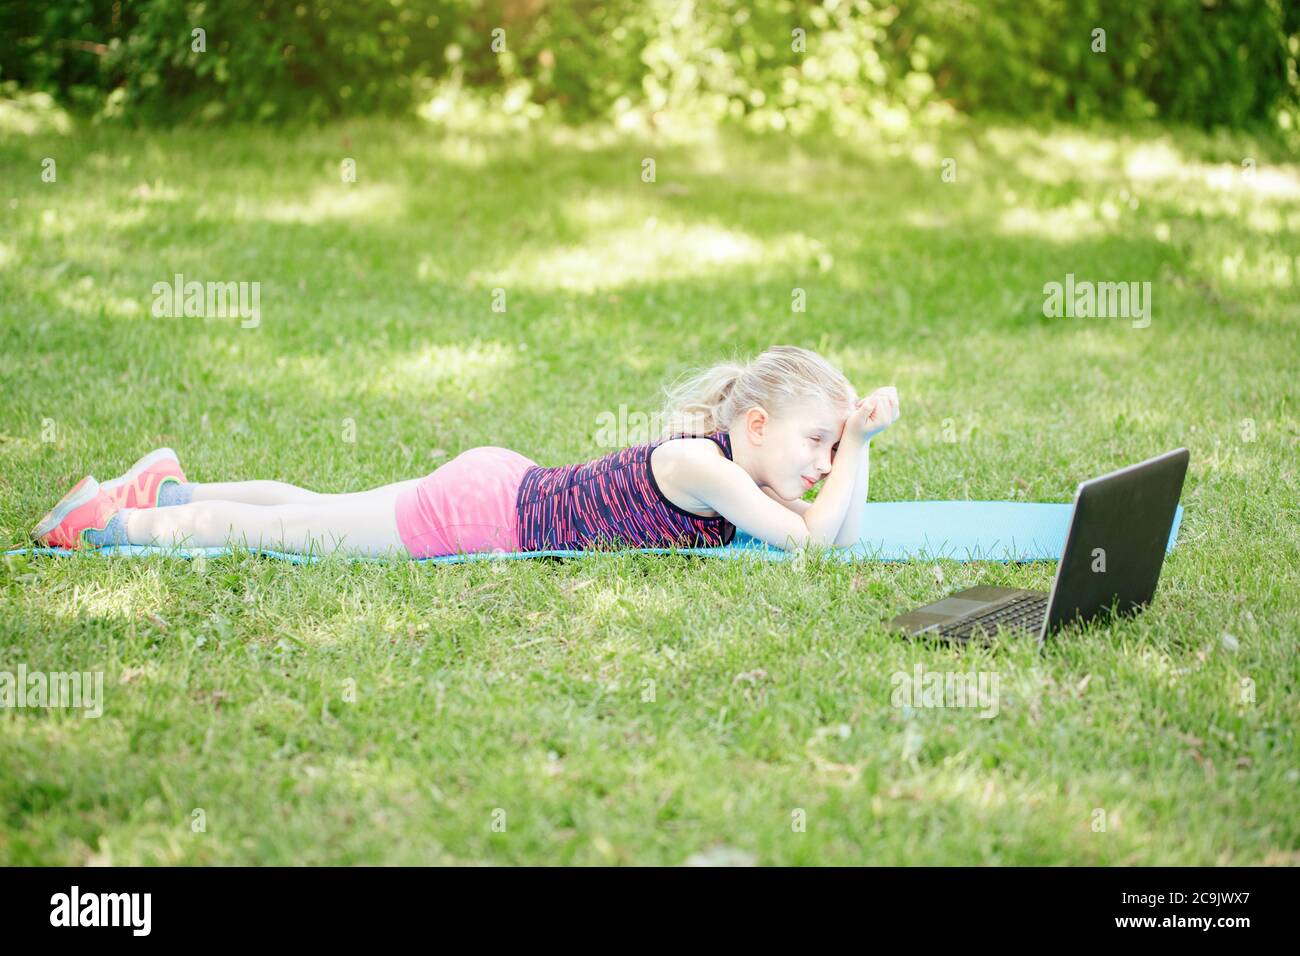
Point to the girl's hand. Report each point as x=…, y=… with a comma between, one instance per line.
x=873, y=414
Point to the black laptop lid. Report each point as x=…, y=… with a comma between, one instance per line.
x=1117, y=540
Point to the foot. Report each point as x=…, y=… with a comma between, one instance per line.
x=141, y=486
x=87, y=506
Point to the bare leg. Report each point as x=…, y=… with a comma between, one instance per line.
x=363, y=523
x=282, y=493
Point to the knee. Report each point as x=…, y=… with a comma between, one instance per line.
x=281, y=492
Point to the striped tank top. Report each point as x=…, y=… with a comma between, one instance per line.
x=610, y=503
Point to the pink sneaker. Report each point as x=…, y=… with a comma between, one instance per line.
x=142, y=484
x=85, y=507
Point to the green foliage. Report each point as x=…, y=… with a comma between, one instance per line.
x=1200, y=61
x=773, y=63
x=311, y=59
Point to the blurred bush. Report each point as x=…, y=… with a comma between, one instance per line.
x=771, y=63
x=1205, y=62
x=250, y=61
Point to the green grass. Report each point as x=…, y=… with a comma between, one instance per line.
x=523, y=686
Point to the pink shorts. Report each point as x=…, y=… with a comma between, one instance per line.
x=466, y=506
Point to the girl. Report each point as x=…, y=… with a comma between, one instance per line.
x=744, y=443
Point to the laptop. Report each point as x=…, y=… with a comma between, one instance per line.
x=1113, y=554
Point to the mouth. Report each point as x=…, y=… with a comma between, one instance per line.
x=807, y=482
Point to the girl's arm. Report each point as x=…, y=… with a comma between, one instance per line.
x=851, y=530
x=829, y=513
x=798, y=506
x=726, y=488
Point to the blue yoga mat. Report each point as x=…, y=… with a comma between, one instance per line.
x=892, y=531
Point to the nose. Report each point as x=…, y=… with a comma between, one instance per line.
x=824, y=462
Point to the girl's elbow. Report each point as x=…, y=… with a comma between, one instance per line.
x=817, y=538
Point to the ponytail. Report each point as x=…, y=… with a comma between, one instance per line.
x=708, y=400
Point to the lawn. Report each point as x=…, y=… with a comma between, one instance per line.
x=644, y=709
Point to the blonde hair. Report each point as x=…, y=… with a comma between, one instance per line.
x=704, y=401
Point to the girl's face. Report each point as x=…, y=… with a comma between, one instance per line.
x=798, y=445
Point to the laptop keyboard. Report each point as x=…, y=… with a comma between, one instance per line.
x=1022, y=612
